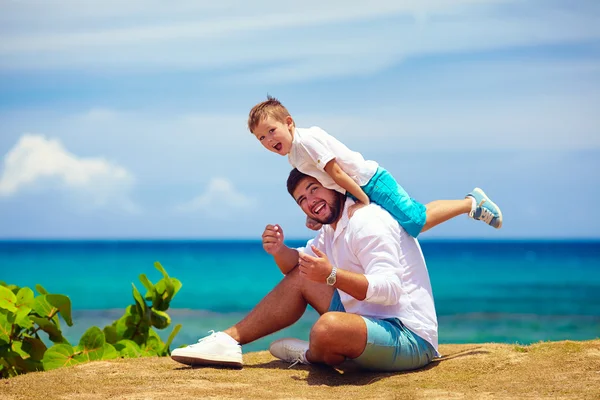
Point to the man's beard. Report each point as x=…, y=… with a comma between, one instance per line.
x=336, y=207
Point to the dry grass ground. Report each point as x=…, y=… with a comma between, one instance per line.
x=553, y=370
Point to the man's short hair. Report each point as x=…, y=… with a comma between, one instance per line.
x=294, y=179
x=268, y=108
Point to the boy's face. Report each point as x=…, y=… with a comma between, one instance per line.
x=275, y=136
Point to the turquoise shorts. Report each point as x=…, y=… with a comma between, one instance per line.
x=391, y=346
x=384, y=191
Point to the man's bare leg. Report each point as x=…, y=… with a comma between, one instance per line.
x=283, y=306
x=335, y=337
x=439, y=211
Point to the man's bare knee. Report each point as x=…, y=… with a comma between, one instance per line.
x=325, y=330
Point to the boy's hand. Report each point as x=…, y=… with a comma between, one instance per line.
x=356, y=206
x=313, y=224
x=314, y=268
x=272, y=239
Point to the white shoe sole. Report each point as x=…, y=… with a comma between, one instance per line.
x=207, y=359
x=488, y=200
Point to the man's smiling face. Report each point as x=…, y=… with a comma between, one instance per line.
x=318, y=202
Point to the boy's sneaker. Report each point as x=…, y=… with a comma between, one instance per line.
x=485, y=209
x=218, y=349
x=290, y=350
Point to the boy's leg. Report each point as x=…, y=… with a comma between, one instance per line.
x=439, y=211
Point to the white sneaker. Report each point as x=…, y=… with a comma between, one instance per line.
x=216, y=349
x=290, y=350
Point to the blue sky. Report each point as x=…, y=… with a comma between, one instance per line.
x=128, y=119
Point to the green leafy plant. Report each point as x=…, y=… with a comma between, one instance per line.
x=23, y=316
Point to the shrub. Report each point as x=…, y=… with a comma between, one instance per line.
x=23, y=315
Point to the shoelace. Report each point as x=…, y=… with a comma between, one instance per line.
x=486, y=216
x=296, y=362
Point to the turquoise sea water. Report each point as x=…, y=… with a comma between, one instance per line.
x=485, y=291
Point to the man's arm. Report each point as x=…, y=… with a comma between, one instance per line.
x=285, y=257
x=319, y=268
x=378, y=249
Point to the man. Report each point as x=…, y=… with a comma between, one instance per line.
x=363, y=274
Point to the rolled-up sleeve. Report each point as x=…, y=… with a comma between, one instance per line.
x=317, y=149
x=378, y=250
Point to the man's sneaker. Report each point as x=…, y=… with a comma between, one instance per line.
x=218, y=349
x=485, y=209
x=290, y=350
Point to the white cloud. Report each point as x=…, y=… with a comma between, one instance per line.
x=219, y=200
x=36, y=160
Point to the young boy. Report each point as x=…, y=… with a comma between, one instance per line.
x=318, y=154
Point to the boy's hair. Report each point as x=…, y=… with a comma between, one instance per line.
x=294, y=179
x=269, y=108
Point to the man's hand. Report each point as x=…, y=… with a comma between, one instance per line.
x=315, y=268
x=272, y=239
x=356, y=206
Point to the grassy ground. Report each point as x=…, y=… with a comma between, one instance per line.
x=552, y=370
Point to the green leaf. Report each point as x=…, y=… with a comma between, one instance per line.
x=41, y=289
x=25, y=298
x=63, y=304
x=17, y=347
x=35, y=347
x=42, y=307
x=24, y=304
x=110, y=333
x=110, y=352
x=91, y=344
x=176, y=285
x=153, y=346
x=150, y=292
x=141, y=303
x=160, y=319
x=166, y=350
x=128, y=348
x=59, y=355
x=5, y=329
x=54, y=333
x=22, y=319
x=8, y=300
x=167, y=281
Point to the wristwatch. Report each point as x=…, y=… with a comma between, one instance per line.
x=332, y=277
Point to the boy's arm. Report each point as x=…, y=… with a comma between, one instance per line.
x=343, y=179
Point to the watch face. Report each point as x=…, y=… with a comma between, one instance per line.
x=330, y=280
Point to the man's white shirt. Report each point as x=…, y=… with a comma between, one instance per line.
x=313, y=148
x=374, y=244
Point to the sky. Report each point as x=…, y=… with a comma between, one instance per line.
x=128, y=119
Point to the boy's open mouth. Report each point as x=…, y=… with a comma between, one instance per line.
x=278, y=146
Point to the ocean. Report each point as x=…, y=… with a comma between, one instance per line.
x=485, y=291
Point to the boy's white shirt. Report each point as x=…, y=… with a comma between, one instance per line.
x=313, y=148
x=374, y=244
